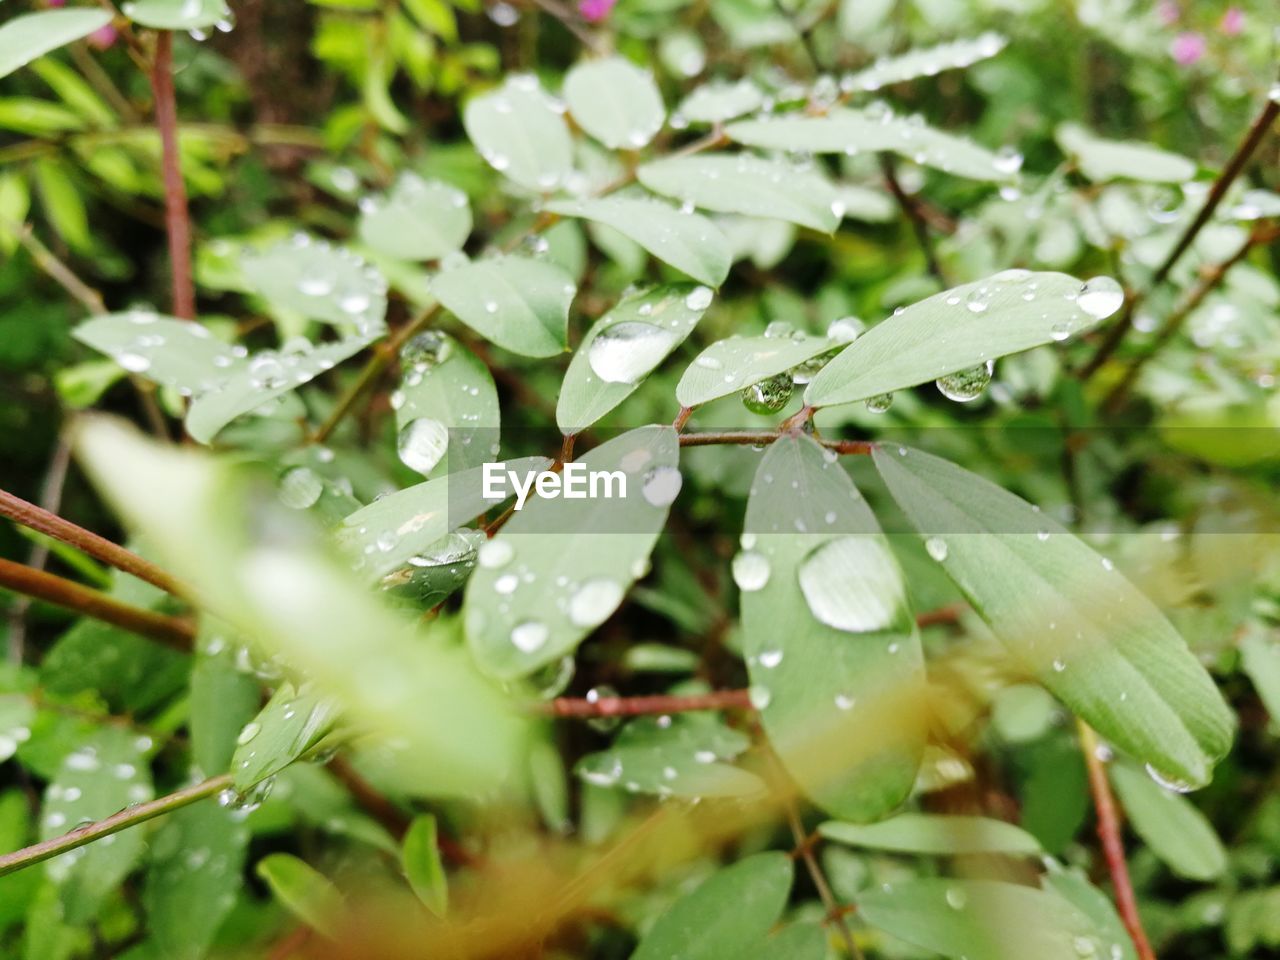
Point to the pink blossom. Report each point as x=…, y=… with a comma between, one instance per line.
x=1167, y=12
x=1187, y=48
x=1232, y=21
x=593, y=11
x=102, y=38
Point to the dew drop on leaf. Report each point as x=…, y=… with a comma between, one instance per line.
x=966, y=385
x=494, y=554
x=852, y=584
x=750, y=571
x=937, y=548
x=422, y=443
x=626, y=351
x=662, y=486
x=593, y=601
x=880, y=402
x=300, y=487
x=1100, y=297
x=529, y=636
x=768, y=396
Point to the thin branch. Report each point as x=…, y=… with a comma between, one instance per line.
x=128, y=817
x=587, y=707
x=176, y=217
x=1209, y=281
x=171, y=631
x=573, y=23
x=913, y=213
x=1112, y=844
x=382, y=357
x=1233, y=169
x=761, y=438
x=100, y=548
x=50, y=496
x=58, y=271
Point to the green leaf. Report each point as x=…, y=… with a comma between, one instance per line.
x=195, y=872
x=1260, y=659
x=935, y=835
x=720, y=100
x=928, y=62
x=420, y=857
x=312, y=278
x=16, y=715
x=724, y=917
x=1072, y=886
x=391, y=531
x=521, y=134
x=1100, y=159
x=831, y=645
x=615, y=101
x=173, y=353
x=847, y=131
x=984, y=920
x=961, y=329
x=266, y=570
x=623, y=347
x=106, y=772
x=866, y=204
x=684, y=757
x=520, y=304
x=418, y=220
x=302, y=890
x=267, y=375
x=1077, y=624
x=32, y=35
x=548, y=782
x=746, y=184
x=224, y=697
x=1177, y=832
x=687, y=241
x=560, y=567
x=177, y=14
x=63, y=203
x=446, y=408
x=130, y=673
x=729, y=366
x=799, y=941
x=291, y=724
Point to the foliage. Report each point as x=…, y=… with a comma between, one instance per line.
x=924, y=353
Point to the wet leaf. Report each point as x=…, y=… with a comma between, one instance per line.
x=32, y=35
x=936, y=835
x=1100, y=159
x=302, y=890
x=1170, y=824
x=417, y=220
x=520, y=133
x=615, y=101
x=517, y=303
x=728, y=366
x=420, y=857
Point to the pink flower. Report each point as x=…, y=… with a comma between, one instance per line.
x=593, y=11
x=1167, y=12
x=102, y=38
x=1187, y=48
x=1232, y=21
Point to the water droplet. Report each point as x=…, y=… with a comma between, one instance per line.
x=315, y=283
x=1007, y=161
x=529, y=636
x=768, y=396
x=626, y=351
x=250, y=731
x=853, y=583
x=879, y=403
x=422, y=443
x=937, y=548
x=844, y=701
x=750, y=571
x=759, y=696
x=845, y=329
x=662, y=486
x=1100, y=297
x=1169, y=782
x=593, y=601
x=133, y=362
x=495, y=553
x=699, y=298
x=966, y=385
x=956, y=898
x=300, y=487
x=1084, y=947
x=1059, y=665
x=769, y=659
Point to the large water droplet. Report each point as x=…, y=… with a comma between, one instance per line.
x=879, y=403
x=250, y=731
x=1169, y=782
x=1100, y=297
x=937, y=548
x=662, y=486
x=699, y=298
x=966, y=385
x=300, y=487
x=768, y=396
x=529, y=636
x=853, y=584
x=626, y=351
x=422, y=443
x=593, y=601
x=495, y=553
x=750, y=571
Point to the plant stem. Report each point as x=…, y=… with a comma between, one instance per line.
x=1208, y=283
x=58, y=271
x=100, y=548
x=50, y=496
x=1229, y=173
x=1112, y=844
x=171, y=631
x=912, y=210
x=760, y=438
x=128, y=817
x=583, y=707
x=177, y=220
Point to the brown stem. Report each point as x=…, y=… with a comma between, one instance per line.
x=171, y=631
x=682, y=418
x=760, y=438
x=583, y=707
x=1208, y=283
x=130, y=816
x=1112, y=844
x=1230, y=172
x=176, y=217
x=913, y=213
x=100, y=548
x=58, y=271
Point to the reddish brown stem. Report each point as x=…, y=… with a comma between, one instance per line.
x=761, y=438
x=177, y=219
x=50, y=524
x=581, y=707
x=1112, y=844
x=914, y=215
x=682, y=418
x=171, y=631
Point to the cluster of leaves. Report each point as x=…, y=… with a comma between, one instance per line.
x=511, y=236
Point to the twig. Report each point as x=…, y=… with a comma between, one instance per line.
x=1112, y=844
x=760, y=438
x=171, y=631
x=58, y=271
x=912, y=210
x=129, y=817
x=176, y=217
x=1237, y=163
x=50, y=496
x=1259, y=236
x=572, y=22
x=583, y=707
x=100, y=548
